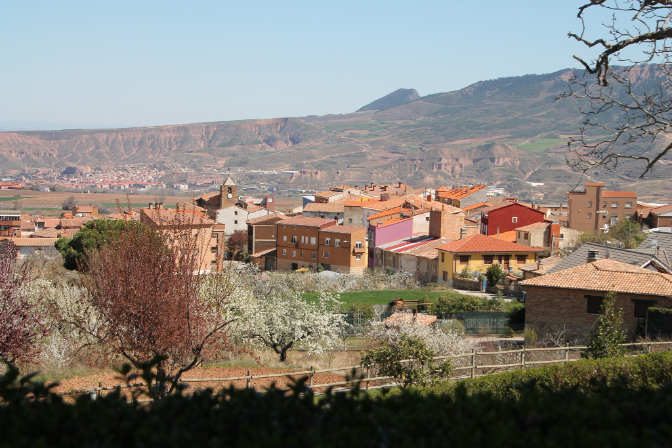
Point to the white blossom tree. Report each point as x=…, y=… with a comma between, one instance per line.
x=285, y=320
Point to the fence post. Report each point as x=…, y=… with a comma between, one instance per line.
x=648, y=347
x=368, y=375
x=473, y=362
x=249, y=379
x=100, y=389
x=312, y=373
x=522, y=359
x=567, y=354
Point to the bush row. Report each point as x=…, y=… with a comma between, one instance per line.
x=612, y=413
x=648, y=371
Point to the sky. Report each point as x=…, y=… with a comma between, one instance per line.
x=149, y=63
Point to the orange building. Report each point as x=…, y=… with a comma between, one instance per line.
x=306, y=242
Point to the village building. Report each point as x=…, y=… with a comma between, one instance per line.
x=594, y=207
x=10, y=223
x=508, y=216
x=539, y=267
x=648, y=258
x=210, y=235
x=27, y=247
x=84, y=210
x=306, y=242
x=478, y=252
x=462, y=197
x=547, y=234
x=261, y=240
x=569, y=301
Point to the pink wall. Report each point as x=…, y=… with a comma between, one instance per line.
x=382, y=235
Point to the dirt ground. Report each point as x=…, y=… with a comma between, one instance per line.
x=110, y=379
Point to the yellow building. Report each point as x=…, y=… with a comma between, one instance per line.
x=477, y=252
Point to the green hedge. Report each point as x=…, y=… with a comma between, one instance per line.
x=622, y=413
x=648, y=371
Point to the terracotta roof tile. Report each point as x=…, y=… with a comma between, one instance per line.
x=328, y=207
x=619, y=194
x=508, y=236
x=534, y=226
x=475, y=206
x=344, y=229
x=662, y=209
x=29, y=242
x=546, y=264
x=390, y=222
x=460, y=192
x=607, y=275
x=409, y=318
x=306, y=221
x=271, y=218
x=486, y=244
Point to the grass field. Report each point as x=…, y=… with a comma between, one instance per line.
x=13, y=198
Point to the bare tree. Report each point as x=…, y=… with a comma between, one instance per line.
x=150, y=302
x=624, y=112
x=22, y=321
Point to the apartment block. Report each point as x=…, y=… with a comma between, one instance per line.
x=595, y=207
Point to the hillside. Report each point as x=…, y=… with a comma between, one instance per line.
x=508, y=130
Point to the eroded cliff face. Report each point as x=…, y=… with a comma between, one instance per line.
x=49, y=148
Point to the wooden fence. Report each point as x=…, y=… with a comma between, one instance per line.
x=522, y=358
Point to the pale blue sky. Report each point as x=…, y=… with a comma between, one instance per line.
x=139, y=63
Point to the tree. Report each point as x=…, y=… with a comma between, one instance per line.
x=622, y=111
x=68, y=203
x=494, y=274
x=625, y=234
x=605, y=341
x=22, y=321
x=92, y=237
x=285, y=320
x=149, y=305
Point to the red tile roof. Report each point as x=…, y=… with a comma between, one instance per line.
x=460, y=192
x=485, y=244
x=389, y=212
x=328, y=207
x=619, y=194
x=607, y=275
x=662, y=209
x=479, y=205
x=534, y=226
x=306, y=221
x=344, y=229
x=271, y=218
x=507, y=236
x=391, y=221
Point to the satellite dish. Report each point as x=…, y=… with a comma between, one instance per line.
x=229, y=195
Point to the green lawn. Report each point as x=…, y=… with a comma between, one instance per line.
x=380, y=297
x=14, y=198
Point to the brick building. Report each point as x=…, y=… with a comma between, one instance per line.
x=507, y=217
x=10, y=223
x=305, y=242
x=462, y=197
x=569, y=300
x=594, y=207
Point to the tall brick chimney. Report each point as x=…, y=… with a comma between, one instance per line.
x=446, y=223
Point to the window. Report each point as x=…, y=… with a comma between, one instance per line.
x=337, y=243
x=594, y=304
x=514, y=219
x=293, y=239
x=313, y=255
x=641, y=306
x=614, y=204
x=427, y=219
x=293, y=253
x=358, y=244
x=235, y=212
x=326, y=255
x=443, y=257
x=521, y=259
x=284, y=237
x=445, y=276
x=589, y=215
x=526, y=235
x=487, y=259
x=301, y=254
x=235, y=221
x=604, y=204
x=464, y=259
x=312, y=240
x=628, y=205
x=327, y=241
x=628, y=216
x=590, y=203
x=213, y=249
x=358, y=256
x=349, y=220
x=284, y=251
x=229, y=190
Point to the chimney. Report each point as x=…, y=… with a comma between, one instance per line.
x=372, y=185
x=150, y=206
x=592, y=256
x=383, y=197
x=429, y=198
x=399, y=185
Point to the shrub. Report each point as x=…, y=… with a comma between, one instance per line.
x=494, y=275
x=409, y=361
x=606, y=339
x=363, y=311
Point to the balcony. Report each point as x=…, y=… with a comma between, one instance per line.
x=358, y=250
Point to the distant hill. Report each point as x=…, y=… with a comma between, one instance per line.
x=508, y=131
x=394, y=99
